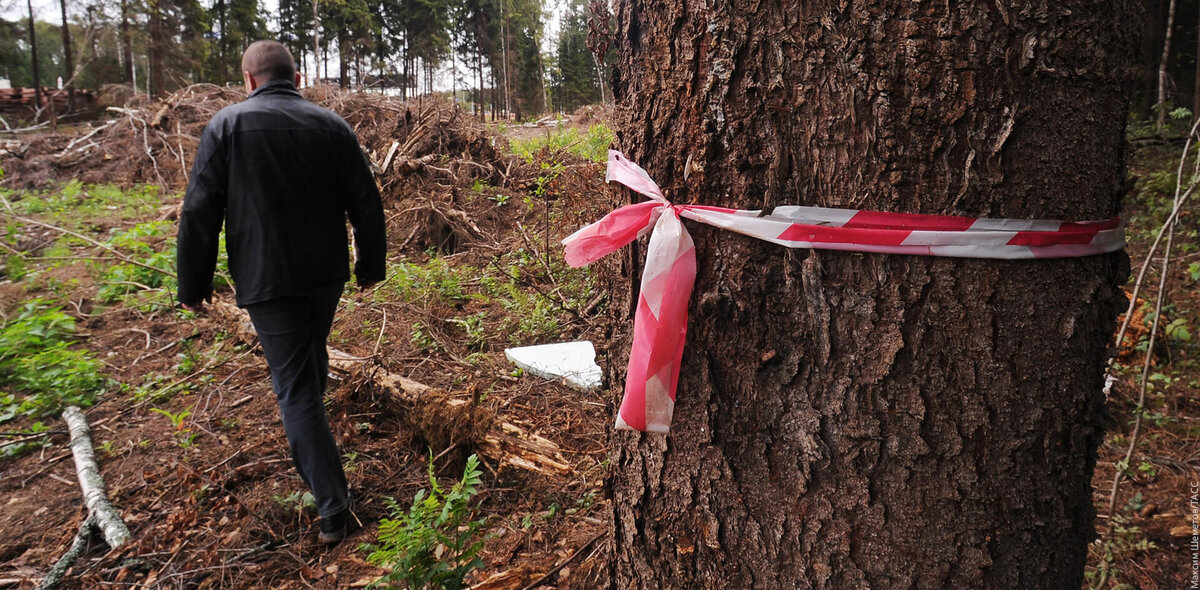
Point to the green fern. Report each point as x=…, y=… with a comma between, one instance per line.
x=436, y=542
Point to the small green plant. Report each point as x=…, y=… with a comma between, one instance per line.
x=177, y=419
x=1124, y=542
x=1177, y=331
x=418, y=336
x=297, y=501
x=108, y=449
x=550, y=172
x=1147, y=469
x=184, y=437
x=436, y=542
x=17, y=449
x=474, y=328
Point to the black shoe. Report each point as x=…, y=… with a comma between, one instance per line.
x=335, y=528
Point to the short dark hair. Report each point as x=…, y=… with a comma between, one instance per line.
x=268, y=60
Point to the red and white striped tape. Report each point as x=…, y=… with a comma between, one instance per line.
x=660, y=323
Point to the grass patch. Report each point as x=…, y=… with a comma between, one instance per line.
x=590, y=145
x=435, y=281
x=75, y=204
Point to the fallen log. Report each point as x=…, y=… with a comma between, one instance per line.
x=106, y=518
x=436, y=416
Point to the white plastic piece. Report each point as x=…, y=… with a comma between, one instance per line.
x=574, y=362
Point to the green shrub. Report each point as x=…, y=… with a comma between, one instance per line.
x=436, y=543
x=39, y=371
x=139, y=243
x=434, y=281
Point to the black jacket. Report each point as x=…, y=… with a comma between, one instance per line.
x=283, y=174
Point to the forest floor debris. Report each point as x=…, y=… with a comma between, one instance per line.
x=187, y=431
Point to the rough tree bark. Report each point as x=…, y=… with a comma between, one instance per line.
x=852, y=420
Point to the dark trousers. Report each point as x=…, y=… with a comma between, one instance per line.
x=293, y=331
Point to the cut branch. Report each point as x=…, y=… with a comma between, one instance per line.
x=107, y=519
x=59, y=569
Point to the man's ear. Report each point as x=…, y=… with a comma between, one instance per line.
x=251, y=83
x=297, y=80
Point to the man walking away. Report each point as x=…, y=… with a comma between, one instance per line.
x=283, y=175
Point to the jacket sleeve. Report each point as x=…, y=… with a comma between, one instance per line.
x=365, y=209
x=201, y=218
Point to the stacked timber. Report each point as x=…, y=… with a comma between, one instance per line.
x=20, y=103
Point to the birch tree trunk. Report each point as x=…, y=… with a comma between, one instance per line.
x=850, y=420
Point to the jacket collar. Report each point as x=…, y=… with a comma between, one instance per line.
x=276, y=87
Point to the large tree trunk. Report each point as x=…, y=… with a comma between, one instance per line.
x=850, y=420
x=158, y=49
x=343, y=69
x=37, y=78
x=317, y=43
x=222, y=45
x=1196, y=88
x=68, y=64
x=1161, y=107
x=126, y=44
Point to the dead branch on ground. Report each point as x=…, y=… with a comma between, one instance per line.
x=429, y=411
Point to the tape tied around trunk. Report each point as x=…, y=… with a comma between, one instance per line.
x=660, y=321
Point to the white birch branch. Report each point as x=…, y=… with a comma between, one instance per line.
x=107, y=519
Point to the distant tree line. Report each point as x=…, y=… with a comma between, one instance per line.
x=488, y=52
